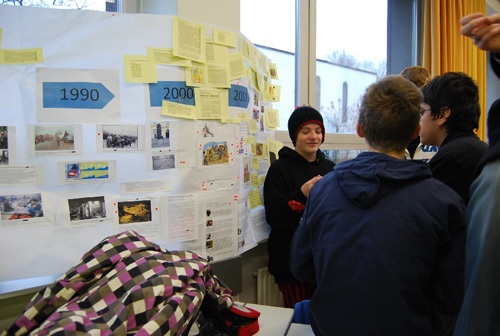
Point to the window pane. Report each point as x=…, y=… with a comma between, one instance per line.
x=351, y=52
x=339, y=155
x=99, y=5
x=270, y=26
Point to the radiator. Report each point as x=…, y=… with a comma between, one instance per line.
x=268, y=292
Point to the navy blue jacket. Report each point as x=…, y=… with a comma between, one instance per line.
x=385, y=243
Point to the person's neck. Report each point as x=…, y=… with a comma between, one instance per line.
x=310, y=157
x=393, y=153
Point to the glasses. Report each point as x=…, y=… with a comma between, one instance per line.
x=422, y=112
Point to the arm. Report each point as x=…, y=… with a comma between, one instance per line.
x=283, y=204
x=301, y=256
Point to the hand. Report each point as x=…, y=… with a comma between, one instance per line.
x=306, y=187
x=484, y=31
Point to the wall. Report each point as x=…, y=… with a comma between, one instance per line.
x=252, y=260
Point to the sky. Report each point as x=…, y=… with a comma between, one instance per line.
x=357, y=26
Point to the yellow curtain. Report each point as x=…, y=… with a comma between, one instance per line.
x=445, y=49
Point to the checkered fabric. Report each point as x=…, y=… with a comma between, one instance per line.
x=126, y=285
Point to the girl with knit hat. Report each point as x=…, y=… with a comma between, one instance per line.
x=287, y=186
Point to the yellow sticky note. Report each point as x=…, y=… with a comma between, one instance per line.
x=166, y=56
x=272, y=118
x=254, y=198
x=237, y=67
x=250, y=140
x=21, y=56
x=211, y=103
x=255, y=163
x=274, y=93
x=139, y=69
x=178, y=110
x=273, y=70
x=252, y=126
x=262, y=179
x=244, y=116
x=224, y=37
x=188, y=39
x=254, y=180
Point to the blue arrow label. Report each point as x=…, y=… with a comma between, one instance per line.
x=238, y=96
x=173, y=91
x=77, y=95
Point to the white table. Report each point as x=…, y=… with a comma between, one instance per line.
x=297, y=329
x=273, y=321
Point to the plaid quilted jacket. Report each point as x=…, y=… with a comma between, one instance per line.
x=126, y=285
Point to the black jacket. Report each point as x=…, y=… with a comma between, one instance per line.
x=456, y=160
x=284, y=203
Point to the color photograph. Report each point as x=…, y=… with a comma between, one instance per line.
x=215, y=153
x=160, y=135
x=21, y=206
x=134, y=212
x=54, y=138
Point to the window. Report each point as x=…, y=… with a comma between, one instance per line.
x=348, y=56
x=351, y=52
x=98, y=5
x=270, y=26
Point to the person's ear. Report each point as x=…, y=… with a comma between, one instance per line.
x=359, y=130
x=444, y=113
x=417, y=132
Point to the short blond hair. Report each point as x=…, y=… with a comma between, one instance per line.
x=418, y=75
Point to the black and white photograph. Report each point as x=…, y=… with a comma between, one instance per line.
x=4, y=145
x=161, y=162
x=87, y=208
x=160, y=135
x=120, y=136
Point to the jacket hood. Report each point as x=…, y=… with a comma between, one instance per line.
x=370, y=176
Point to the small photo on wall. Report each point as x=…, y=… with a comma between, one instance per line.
x=160, y=134
x=119, y=138
x=215, y=153
x=19, y=207
x=130, y=212
x=163, y=161
x=4, y=145
x=87, y=208
x=54, y=140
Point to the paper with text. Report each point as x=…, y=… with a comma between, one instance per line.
x=178, y=110
x=224, y=37
x=21, y=56
x=165, y=56
x=140, y=69
x=181, y=217
x=188, y=39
